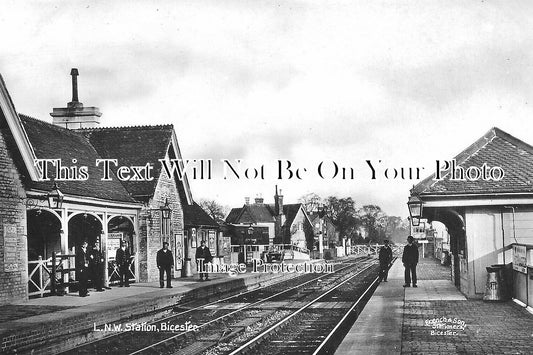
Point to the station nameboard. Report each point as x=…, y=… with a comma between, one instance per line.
x=519, y=258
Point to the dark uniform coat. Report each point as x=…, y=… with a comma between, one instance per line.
x=203, y=253
x=410, y=254
x=385, y=255
x=164, y=258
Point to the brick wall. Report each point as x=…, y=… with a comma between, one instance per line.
x=150, y=229
x=13, y=242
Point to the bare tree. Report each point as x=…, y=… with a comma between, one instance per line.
x=214, y=209
x=311, y=201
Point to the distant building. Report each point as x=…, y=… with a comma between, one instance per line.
x=276, y=223
x=324, y=225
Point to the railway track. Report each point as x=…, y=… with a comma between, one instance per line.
x=317, y=327
x=220, y=327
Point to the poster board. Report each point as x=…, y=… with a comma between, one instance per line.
x=519, y=258
x=113, y=244
x=178, y=251
x=212, y=242
x=11, y=259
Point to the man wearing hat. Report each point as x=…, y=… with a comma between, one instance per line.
x=410, y=259
x=385, y=258
x=82, y=265
x=123, y=261
x=165, y=261
x=203, y=256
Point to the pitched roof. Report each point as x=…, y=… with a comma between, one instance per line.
x=254, y=213
x=262, y=213
x=194, y=215
x=53, y=142
x=233, y=215
x=133, y=146
x=495, y=148
x=290, y=211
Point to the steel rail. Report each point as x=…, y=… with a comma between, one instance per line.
x=301, y=309
x=170, y=317
x=251, y=305
x=347, y=314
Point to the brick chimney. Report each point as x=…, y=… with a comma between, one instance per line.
x=278, y=200
x=75, y=116
x=247, y=200
x=259, y=199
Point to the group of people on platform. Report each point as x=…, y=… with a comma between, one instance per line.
x=409, y=259
x=90, y=266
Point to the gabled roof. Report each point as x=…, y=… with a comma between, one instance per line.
x=290, y=211
x=314, y=216
x=133, y=146
x=233, y=215
x=495, y=148
x=52, y=142
x=194, y=215
x=262, y=213
x=30, y=139
x=255, y=213
x=9, y=118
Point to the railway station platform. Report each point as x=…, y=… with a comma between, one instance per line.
x=52, y=324
x=435, y=318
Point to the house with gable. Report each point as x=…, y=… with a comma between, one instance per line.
x=322, y=224
x=48, y=208
x=259, y=226
x=486, y=218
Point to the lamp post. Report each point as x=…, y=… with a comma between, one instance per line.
x=321, y=233
x=250, y=232
x=415, y=205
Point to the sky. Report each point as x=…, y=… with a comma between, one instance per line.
x=401, y=84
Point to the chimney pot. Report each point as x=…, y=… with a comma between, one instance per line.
x=75, y=116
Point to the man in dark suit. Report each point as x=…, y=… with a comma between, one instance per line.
x=385, y=258
x=123, y=261
x=82, y=264
x=410, y=259
x=165, y=261
x=96, y=267
x=203, y=256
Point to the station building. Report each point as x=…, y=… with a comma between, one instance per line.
x=46, y=214
x=489, y=220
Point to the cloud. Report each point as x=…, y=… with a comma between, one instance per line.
x=442, y=82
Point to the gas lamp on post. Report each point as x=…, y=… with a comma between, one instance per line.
x=55, y=197
x=415, y=205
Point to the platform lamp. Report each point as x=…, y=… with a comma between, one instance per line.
x=166, y=211
x=250, y=232
x=415, y=205
x=55, y=197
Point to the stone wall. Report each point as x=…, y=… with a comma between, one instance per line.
x=151, y=229
x=13, y=242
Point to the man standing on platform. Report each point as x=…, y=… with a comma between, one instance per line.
x=165, y=261
x=203, y=256
x=385, y=258
x=123, y=261
x=96, y=266
x=82, y=264
x=410, y=259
